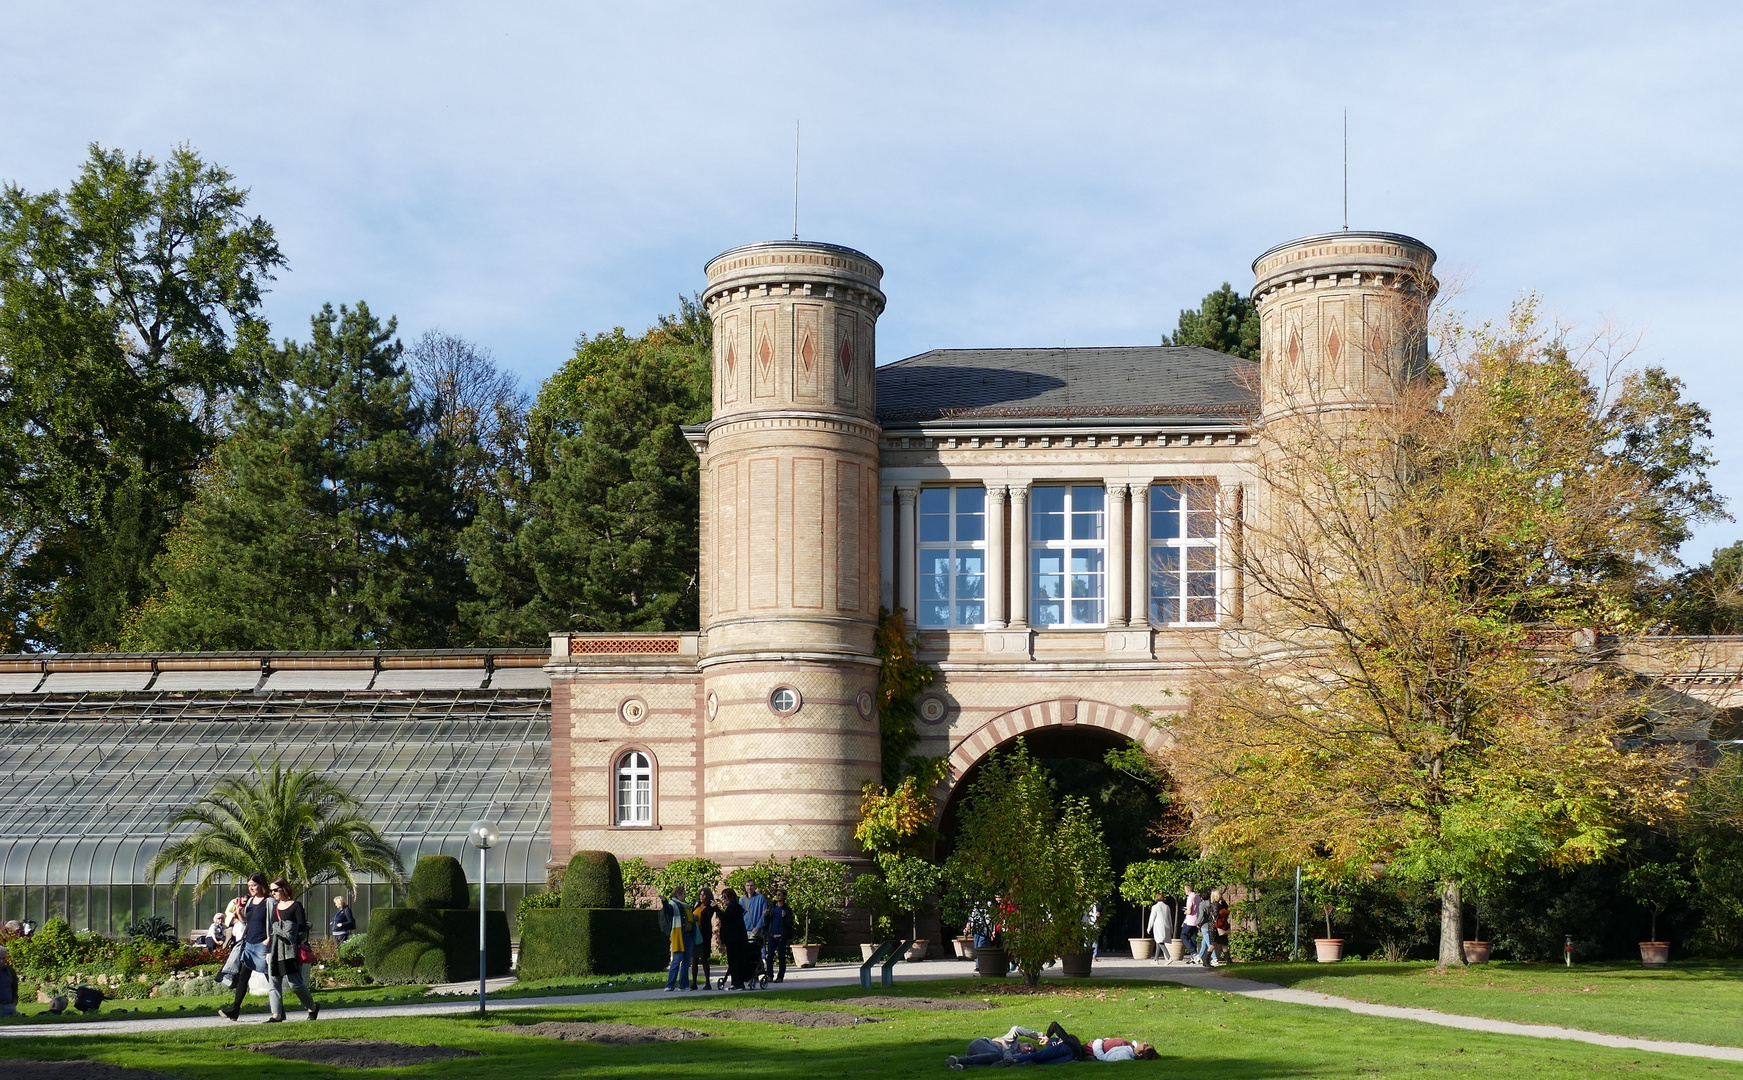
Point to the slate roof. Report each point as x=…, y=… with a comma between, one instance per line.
x=1150, y=381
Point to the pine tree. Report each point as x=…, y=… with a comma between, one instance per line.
x=328, y=519
x=1226, y=321
x=600, y=530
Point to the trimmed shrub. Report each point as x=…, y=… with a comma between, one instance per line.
x=538, y=901
x=565, y=941
x=593, y=880
x=351, y=953
x=438, y=884
x=433, y=945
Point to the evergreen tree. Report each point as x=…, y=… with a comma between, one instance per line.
x=1226, y=321
x=1708, y=599
x=599, y=529
x=328, y=519
x=121, y=305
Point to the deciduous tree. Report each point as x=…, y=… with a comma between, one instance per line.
x=1438, y=594
x=122, y=302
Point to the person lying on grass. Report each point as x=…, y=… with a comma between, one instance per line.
x=1016, y=1047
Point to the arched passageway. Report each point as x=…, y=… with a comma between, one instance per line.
x=1071, y=738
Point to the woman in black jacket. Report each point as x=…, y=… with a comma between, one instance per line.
x=289, y=934
x=706, y=914
x=734, y=939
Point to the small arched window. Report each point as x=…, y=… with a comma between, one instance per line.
x=635, y=789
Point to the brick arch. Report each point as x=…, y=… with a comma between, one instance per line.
x=1059, y=712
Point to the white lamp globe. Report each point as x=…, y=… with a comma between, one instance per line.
x=483, y=834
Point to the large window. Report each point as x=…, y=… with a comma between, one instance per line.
x=952, y=556
x=635, y=789
x=1068, y=556
x=1183, y=554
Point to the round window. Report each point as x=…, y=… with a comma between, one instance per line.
x=784, y=700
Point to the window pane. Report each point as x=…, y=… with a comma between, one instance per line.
x=1201, y=584
x=971, y=513
x=934, y=515
x=1165, y=585
x=970, y=574
x=1086, y=512
x=1047, y=572
x=934, y=613
x=1201, y=511
x=1164, y=512
x=1048, y=516
x=1086, y=585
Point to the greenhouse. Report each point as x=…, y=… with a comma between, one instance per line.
x=98, y=755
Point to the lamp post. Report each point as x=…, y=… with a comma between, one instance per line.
x=484, y=835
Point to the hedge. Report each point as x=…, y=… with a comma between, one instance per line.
x=593, y=880
x=590, y=941
x=439, y=882
x=433, y=945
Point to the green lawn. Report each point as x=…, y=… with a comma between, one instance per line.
x=1689, y=1001
x=1203, y=1034
x=157, y=1008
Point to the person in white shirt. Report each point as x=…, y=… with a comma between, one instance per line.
x=1159, y=924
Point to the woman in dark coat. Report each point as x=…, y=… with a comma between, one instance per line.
x=705, y=915
x=734, y=939
x=289, y=933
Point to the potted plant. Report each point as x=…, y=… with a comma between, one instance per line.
x=816, y=891
x=1656, y=886
x=1328, y=949
x=1476, y=950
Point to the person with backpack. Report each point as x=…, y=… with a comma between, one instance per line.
x=1191, y=915
x=680, y=928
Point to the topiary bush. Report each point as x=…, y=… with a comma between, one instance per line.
x=558, y=942
x=438, y=884
x=593, y=880
x=433, y=945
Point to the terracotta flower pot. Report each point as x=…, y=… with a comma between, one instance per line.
x=917, y=951
x=1143, y=948
x=1654, y=953
x=1176, y=949
x=1476, y=952
x=806, y=955
x=964, y=947
x=991, y=962
x=1328, y=950
x=1076, y=965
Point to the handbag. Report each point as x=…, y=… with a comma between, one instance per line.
x=305, y=953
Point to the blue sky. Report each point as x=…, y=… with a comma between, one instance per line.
x=1028, y=174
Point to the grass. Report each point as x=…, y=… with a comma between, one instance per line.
x=342, y=997
x=1202, y=1034
x=1689, y=1001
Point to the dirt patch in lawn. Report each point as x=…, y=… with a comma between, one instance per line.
x=26, y=1069
x=923, y=1003
x=785, y=1016
x=612, y=1034
x=360, y=1053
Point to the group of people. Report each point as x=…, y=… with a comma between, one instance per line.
x=753, y=935
x=1204, y=926
x=269, y=932
x=1021, y=1046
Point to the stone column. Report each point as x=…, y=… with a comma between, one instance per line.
x=998, y=588
x=1118, y=530
x=1019, y=561
x=907, y=543
x=1140, y=577
x=887, y=546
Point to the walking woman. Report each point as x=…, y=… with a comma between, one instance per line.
x=735, y=939
x=705, y=914
x=249, y=931
x=289, y=941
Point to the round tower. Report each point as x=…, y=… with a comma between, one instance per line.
x=790, y=560
x=1343, y=320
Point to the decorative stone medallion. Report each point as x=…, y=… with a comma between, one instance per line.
x=633, y=710
x=933, y=709
x=866, y=703
x=713, y=705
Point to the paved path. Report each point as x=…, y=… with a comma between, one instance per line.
x=846, y=975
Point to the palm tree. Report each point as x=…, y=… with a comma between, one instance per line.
x=283, y=823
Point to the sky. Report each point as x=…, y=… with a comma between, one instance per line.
x=1027, y=174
